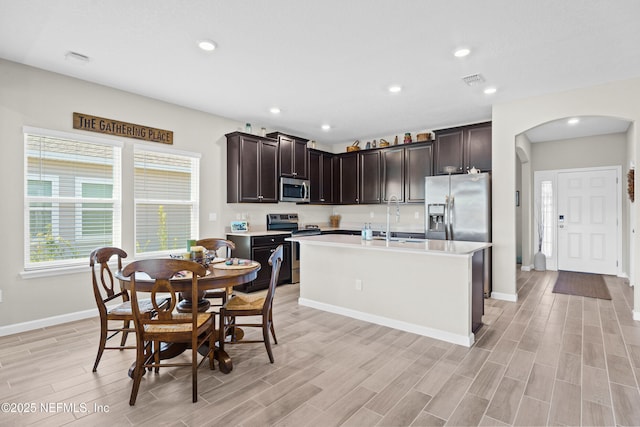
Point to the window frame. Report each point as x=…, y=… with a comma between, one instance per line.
x=32, y=268
x=79, y=218
x=194, y=196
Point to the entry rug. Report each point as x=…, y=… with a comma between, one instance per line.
x=581, y=284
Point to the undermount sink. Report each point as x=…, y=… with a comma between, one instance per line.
x=401, y=239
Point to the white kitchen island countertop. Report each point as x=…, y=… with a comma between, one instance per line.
x=432, y=247
x=430, y=287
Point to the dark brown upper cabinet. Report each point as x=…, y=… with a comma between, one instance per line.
x=252, y=169
x=477, y=150
x=321, y=177
x=348, y=176
x=449, y=148
x=370, y=172
x=293, y=155
x=393, y=173
x=418, y=165
x=463, y=148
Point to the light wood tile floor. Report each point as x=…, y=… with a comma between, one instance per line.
x=549, y=359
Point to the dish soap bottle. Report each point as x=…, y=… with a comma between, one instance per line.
x=369, y=232
x=363, y=232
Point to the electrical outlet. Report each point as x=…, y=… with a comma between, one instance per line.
x=416, y=215
x=372, y=214
x=358, y=285
x=0, y=295
x=213, y=216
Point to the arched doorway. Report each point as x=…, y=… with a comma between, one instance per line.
x=546, y=155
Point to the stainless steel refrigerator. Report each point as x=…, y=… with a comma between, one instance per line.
x=458, y=207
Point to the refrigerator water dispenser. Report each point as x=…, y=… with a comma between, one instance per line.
x=436, y=224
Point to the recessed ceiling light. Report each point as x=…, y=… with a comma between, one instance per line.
x=326, y=127
x=490, y=90
x=395, y=88
x=274, y=110
x=206, y=45
x=462, y=52
x=573, y=121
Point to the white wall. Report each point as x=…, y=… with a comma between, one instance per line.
x=589, y=151
x=33, y=97
x=618, y=99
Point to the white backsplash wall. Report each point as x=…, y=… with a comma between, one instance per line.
x=352, y=216
x=256, y=213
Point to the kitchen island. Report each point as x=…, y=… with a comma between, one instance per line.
x=429, y=287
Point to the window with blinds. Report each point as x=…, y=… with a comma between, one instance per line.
x=72, y=197
x=166, y=189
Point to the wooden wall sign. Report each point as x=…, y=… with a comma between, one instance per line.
x=118, y=128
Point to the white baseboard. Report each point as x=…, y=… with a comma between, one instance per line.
x=636, y=315
x=17, y=328
x=504, y=297
x=526, y=267
x=392, y=323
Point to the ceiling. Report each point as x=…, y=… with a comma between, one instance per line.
x=331, y=61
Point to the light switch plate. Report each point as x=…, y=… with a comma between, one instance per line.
x=213, y=216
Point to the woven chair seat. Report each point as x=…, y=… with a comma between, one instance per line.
x=245, y=303
x=145, y=305
x=178, y=327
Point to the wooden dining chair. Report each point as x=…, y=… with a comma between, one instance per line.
x=107, y=295
x=167, y=326
x=215, y=244
x=239, y=306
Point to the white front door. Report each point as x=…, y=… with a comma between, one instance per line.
x=587, y=221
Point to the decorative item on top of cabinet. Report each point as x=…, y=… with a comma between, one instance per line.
x=293, y=155
x=252, y=173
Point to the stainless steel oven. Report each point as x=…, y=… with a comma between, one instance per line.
x=289, y=222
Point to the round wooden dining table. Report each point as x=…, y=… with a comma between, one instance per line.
x=218, y=276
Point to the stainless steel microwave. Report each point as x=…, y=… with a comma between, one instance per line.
x=294, y=190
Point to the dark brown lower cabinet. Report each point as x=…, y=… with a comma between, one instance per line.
x=260, y=248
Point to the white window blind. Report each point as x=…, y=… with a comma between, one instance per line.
x=166, y=187
x=72, y=198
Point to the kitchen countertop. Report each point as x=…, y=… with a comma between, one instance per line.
x=435, y=247
x=252, y=233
